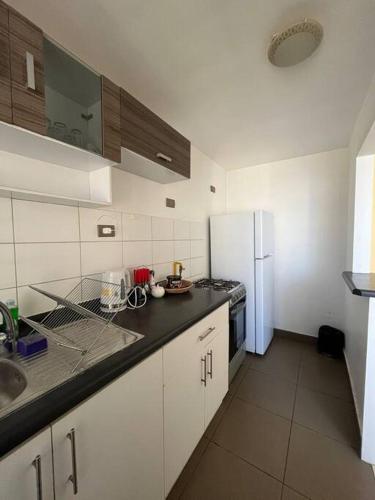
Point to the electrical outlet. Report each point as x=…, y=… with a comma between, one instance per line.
x=106, y=230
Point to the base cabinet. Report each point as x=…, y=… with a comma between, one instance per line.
x=111, y=446
x=26, y=473
x=195, y=383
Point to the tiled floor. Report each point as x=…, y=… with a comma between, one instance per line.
x=286, y=431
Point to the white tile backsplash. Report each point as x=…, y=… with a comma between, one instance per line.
x=32, y=302
x=56, y=245
x=137, y=253
x=44, y=222
x=97, y=257
x=162, y=270
x=6, y=225
x=197, y=267
x=7, y=270
x=136, y=227
x=198, y=248
x=42, y=262
x=198, y=230
x=182, y=250
x=162, y=251
x=89, y=220
x=181, y=230
x=162, y=229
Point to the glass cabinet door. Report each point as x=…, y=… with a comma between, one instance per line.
x=73, y=100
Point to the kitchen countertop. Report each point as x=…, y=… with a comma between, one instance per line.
x=159, y=321
x=361, y=284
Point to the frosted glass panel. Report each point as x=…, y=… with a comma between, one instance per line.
x=73, y=100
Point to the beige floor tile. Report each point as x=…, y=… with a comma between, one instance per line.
x=256, y=435
x=324, y=469
x=222, y=476
x=326, y=375
x=269, y=392
x=331, y=416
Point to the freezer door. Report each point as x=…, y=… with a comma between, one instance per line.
x=264, y=234
x=264, y=291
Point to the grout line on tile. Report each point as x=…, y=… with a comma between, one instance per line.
x=325, y=435
x=14, y=254
x=292, y=419
x=248, y=463
x=265, y=409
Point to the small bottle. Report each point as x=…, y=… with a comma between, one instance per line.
x=13, y=308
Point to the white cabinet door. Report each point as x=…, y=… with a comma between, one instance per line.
x=183, y=402
x=19, y=478
x=118, y=440
x=217, y=373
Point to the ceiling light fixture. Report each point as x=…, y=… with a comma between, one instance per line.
x=295, y=44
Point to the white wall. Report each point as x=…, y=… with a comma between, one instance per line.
x=54, y=245
x=308, y=196
x=359, y=317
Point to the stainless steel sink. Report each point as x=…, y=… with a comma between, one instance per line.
x=13, y=382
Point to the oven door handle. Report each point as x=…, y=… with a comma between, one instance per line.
x=237, y=309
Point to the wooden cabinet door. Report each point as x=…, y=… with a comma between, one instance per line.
x=118, y=435
x=5, y=89
x=183, y=402
x=217, y=372
x=27, y=73
x=18, y=470
x=143, y=132
x=111, y=117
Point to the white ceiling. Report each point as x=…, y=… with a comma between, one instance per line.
x=201, y=65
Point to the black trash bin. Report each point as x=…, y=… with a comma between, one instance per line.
x=331, y=341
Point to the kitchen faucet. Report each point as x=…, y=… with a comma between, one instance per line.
x=10, y=333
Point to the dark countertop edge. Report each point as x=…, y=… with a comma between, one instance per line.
x=349, y=278
x=37, y=414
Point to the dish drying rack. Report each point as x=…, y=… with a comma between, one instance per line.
x=79, y=324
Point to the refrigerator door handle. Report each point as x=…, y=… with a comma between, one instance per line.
x=269, y=255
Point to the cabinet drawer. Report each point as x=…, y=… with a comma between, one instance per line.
x=209, y=327
x=143, y=132
x=28, y=103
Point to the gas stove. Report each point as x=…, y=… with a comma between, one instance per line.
x=235, y=288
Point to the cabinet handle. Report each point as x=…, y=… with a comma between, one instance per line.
x=164, y=157
x=210, y=355
x=38, y=469
x=73, y=477
x=30, y=71
x=207, y=333
x=204, y=378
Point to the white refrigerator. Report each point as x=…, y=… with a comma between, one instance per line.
x=242, y=249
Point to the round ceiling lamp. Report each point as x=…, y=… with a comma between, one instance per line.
x=295, y=44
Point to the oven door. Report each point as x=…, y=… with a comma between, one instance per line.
x=237, y=327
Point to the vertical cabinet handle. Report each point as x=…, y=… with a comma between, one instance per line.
x=30, y=71
x=204, y=363
x=73, y=477
x=210, y=355
x=37, y=463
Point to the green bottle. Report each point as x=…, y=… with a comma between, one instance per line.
x=13, y=308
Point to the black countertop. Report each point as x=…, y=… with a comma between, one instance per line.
x=160, y=321
x=362, y=284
